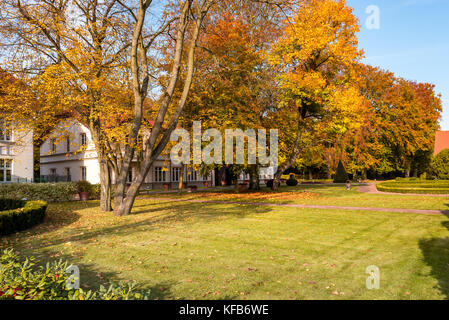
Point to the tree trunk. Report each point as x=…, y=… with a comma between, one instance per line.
x=294, y=155
x=236, y=182
x=124, y=199
x=310, y=174
x=181, y=179
x=277, y=180
x=254, y=179
x=223, y=176
x=408, y=169
x=364, y=174
x=105, y=187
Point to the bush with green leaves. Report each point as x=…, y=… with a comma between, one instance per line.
x=20, y=215
x=96, y=192
x=23, y=279
x=440, y=165
x=341, y=176
x=84, y=186
x=415, y=186
x=49, y=192
x=292, y=182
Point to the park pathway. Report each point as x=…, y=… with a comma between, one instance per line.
x=301, y=206
x=371, y=188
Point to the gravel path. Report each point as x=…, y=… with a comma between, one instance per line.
x=371, y=188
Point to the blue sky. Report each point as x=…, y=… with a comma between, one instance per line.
x=412, y=42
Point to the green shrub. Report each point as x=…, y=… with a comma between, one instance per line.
x=22, y=279
x=341, y=176
x=84, y=186
x=292, y=182
x=10, y=204
x=440, y=165
x=416, y=186
x=49, y=192
x=28, y=215
x=95, y=192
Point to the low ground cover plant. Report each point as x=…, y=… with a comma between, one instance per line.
x=23, y=279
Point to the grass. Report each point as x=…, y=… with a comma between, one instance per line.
x=194, y=251
x=334, y=195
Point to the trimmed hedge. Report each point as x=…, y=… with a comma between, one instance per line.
x=440, y=165
x=49, y=192
x=24, y=216
x=10, y=204
x=292, y=182
x=22, y=279
x=416, y=186
x=341, y=176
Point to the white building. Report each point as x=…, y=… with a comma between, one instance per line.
x=69, y=154
x=16, y=155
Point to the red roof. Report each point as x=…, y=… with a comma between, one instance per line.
x=441, y=141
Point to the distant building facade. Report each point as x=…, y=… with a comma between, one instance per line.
x=16, y=154
x=441, y=141
x=69, y=154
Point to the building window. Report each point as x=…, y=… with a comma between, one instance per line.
x=84, y=173
x=4, y=150
x=130, y=176
x=159, y=174
x=175, y=174
x=5, y=170
x=83, y=139
x=53, y=145
x=67, y=144
x=68, y=174
x=192, y=176
x=53, y=172
x=5, y=133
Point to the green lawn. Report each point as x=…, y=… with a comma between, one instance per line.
x=195, y=251
x=333, y=195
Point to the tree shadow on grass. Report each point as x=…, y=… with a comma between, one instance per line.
x=57, y=216
x=156, y=216
x=436, y=255
x=91, y=278
x=166, y=215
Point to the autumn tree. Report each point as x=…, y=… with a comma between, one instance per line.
x=234, y=85
x=412, y=116
x=318, y=45
x=89, y=54
x=66, y=51
x=399, y=121
x=191, y=15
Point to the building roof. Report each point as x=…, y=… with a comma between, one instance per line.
x=441, y=141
